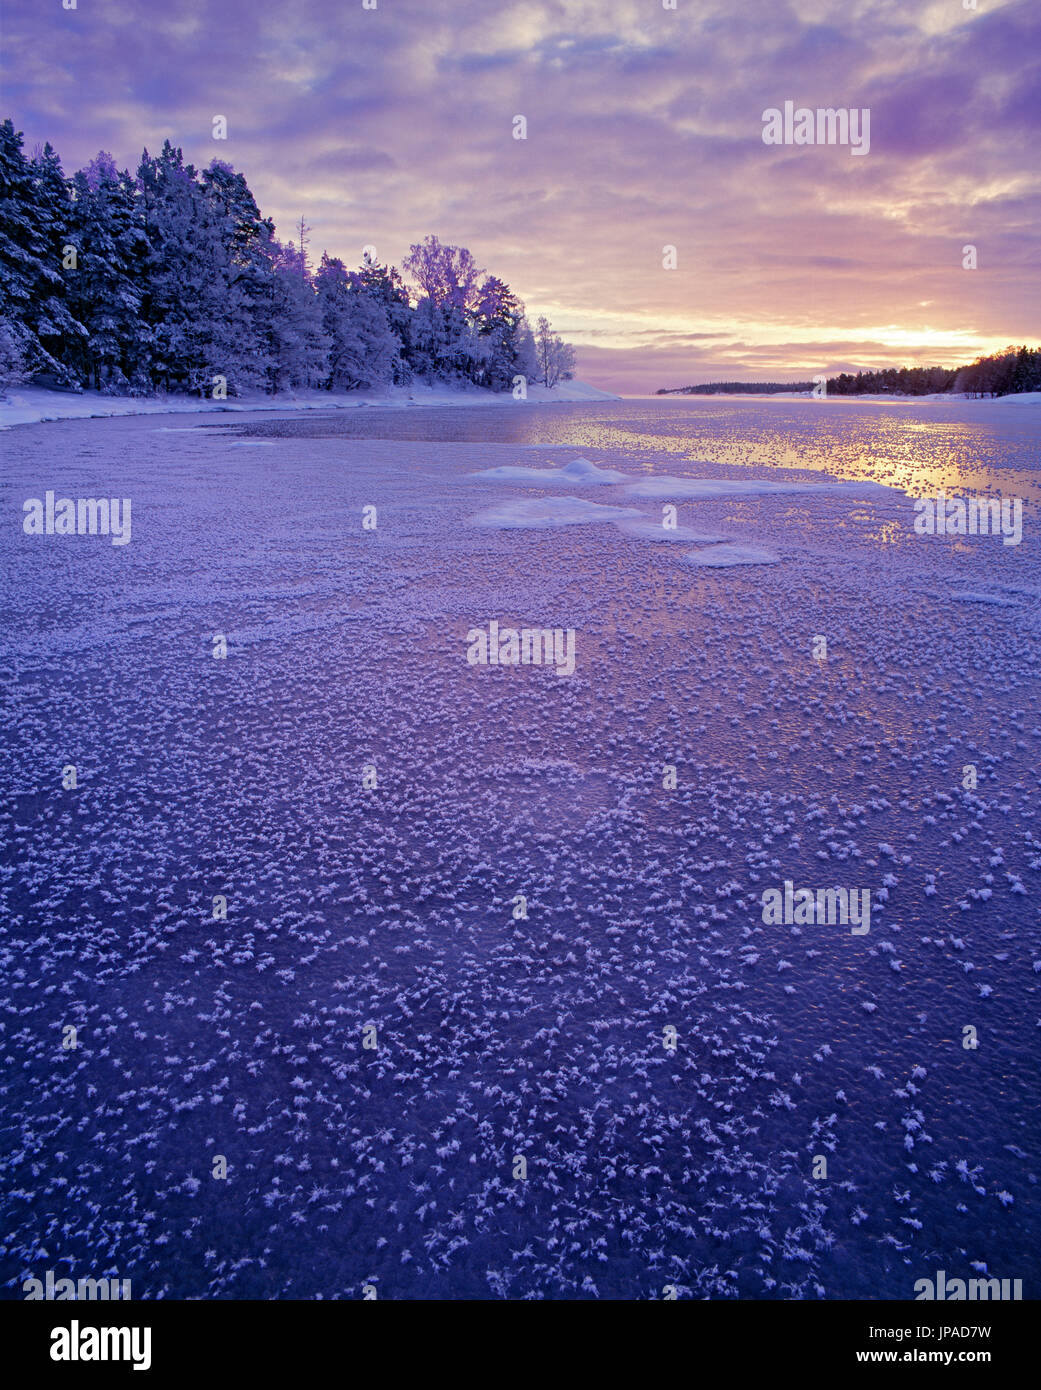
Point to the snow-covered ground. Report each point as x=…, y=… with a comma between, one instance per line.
x=25, y=405
x=521, y=882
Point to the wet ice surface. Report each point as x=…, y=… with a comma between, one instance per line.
x=651, y=529
x=393, y=907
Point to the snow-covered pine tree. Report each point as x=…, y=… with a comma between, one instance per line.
x=364, y=352
x=105, y=295
x=210, y=276
x=12, y=357
x=445, y=342
x=173, y=304
x=60, y=333
x=20, y=253
x=499, y=316
x=445, y=345
x=524, y=356
x=245, y=274
x=384, y=285
x=34, y=226
x=296, y=346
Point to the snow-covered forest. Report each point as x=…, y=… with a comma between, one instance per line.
x=171, y=279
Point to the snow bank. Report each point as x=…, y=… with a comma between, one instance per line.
x=30, y=405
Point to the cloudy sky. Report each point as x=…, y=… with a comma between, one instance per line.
x=644, y=129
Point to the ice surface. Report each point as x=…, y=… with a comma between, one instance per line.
x=394, y=906
x=665, y=486
x=647, y=529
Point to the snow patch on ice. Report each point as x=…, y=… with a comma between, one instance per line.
x=541, y=512
x=578, y=471
x=722, y=556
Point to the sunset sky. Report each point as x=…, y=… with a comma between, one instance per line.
x=644, y=129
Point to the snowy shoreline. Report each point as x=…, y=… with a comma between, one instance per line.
x=33, y=405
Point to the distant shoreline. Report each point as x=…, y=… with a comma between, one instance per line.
x=878, y=398
x=1014, y=372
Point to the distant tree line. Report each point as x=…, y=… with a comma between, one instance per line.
x=896, y=381
x=1006, y=373
x=736, y=388
x=171, y=280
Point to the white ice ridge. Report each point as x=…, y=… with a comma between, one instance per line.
x=998, y=597
x=666, y=486
x=540, y=512
x=578, y=471
x=721, y=556
x=971, y=596
x=647, y=529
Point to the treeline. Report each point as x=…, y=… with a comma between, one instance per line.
x=1006, y=373
x=897, y=381
x=736, y=388
x=170, y=279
